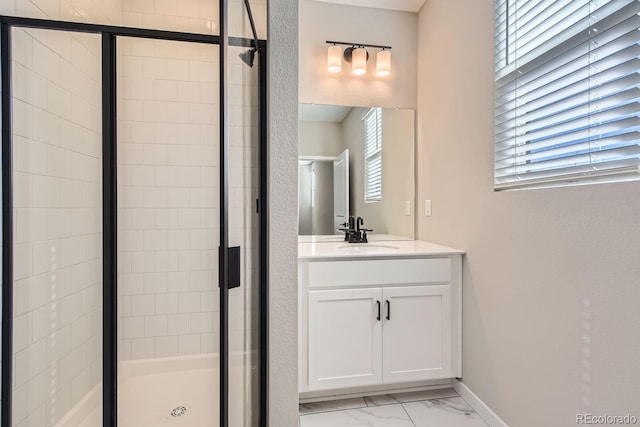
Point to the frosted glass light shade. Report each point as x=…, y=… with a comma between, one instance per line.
x=359, y=61
x=334, y=59
x=383, y=63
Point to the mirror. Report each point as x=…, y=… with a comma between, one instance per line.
x=356, y=161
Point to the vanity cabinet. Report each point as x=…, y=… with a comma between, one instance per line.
x=417, y=333
x=360, y=337
x=379, y=322
x=345, y=338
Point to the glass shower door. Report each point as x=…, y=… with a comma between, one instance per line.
x=187, y=350
x=168, y=233
x=57, y=228
x=244, y=331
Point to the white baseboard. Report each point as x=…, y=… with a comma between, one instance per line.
x=478, y=405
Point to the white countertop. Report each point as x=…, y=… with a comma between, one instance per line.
x=384, y=249
x=340, y=238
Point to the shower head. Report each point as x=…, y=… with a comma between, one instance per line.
x=248, y=56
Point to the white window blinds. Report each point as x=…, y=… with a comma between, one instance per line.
x=373, y=155
x=567, y=91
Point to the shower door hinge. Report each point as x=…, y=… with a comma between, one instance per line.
x=257, y=206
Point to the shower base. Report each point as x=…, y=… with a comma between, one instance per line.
x=172, y=392
x=180, y=392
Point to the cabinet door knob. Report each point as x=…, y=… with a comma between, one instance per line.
x=388, y=309
x=378, y=302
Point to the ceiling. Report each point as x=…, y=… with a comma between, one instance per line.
x=404, y=5
x=322, y=113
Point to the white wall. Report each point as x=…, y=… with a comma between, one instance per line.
x=283, y=209
x=550, y=276
x=320, y=139
x=321, y=21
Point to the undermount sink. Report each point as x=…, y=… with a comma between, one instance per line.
x=366, y=247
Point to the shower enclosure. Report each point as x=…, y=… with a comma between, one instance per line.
x=133, y=213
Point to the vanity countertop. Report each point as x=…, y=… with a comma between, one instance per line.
x=381, y=249
x=340, y=238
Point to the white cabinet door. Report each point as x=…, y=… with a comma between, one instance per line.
x=417, y=333
x=345, y=338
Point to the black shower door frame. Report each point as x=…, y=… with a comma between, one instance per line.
x=109, y=35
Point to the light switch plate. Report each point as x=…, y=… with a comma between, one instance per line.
x=407, y=208
x=427, y=208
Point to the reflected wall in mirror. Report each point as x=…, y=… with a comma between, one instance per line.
x=356, y=161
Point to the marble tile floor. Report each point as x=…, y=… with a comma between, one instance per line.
x=433, y=408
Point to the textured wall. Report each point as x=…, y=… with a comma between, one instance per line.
x=550, y=276
x=321, y=21
x=283, y=191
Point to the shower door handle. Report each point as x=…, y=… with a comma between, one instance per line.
x=233, y=266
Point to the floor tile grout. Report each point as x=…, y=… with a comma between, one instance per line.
x=408, y=414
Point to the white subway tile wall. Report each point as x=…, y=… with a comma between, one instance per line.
x=193, y=16
x=197, y=16
x=58, y=223
x=168, y=199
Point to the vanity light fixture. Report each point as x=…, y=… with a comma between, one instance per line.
x=359, y=61
x=334, y=59
x=357, y=55
x=383, y=63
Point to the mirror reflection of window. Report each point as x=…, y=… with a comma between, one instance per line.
x=333, y=138
x=373, y=155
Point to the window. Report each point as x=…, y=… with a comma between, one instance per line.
x=373, y=155
x=567, y=91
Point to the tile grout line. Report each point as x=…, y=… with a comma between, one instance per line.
x=383, y=404
x=408, y=414
x=476, y=412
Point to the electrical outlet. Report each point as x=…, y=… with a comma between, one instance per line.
x=427, y=208
x=407, y=208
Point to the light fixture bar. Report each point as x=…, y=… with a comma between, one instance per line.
x=358, y=44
